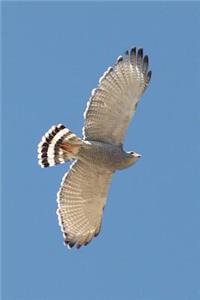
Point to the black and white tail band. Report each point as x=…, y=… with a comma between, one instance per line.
x=56, y=146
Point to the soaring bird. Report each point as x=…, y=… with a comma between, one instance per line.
x=83, y=192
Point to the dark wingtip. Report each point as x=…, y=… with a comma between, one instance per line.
x=126, y=52
x=140, y=52
x=145, y=64
x=120, y=58
x=87, y=243
x=97, y=233
x=149, y=76
x=146, y=60
x=133, y=51
x=71, y=244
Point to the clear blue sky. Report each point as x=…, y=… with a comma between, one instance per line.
x=149, y=246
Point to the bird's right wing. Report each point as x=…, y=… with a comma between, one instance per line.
x=81, y=199
x=114, y=101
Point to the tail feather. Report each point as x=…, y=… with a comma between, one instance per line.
x=57, y=146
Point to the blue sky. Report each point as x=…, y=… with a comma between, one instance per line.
x=53, y=56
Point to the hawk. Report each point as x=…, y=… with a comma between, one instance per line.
x=84, y=188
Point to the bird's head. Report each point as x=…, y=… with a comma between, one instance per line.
x=133, y=157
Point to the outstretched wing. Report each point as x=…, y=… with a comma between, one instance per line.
x=81, y=199
x=112, y=105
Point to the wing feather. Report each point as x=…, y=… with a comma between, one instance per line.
x=81, y=199
x=113, y=103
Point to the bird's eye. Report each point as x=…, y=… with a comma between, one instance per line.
x=131, y=152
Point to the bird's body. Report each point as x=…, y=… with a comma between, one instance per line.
x=84, y=188
x=105, y=155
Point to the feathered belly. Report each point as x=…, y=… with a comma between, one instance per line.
x=101, y=155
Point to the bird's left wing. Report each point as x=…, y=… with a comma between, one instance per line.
x=113, y=103
x=81, y=199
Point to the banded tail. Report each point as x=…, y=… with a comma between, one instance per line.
x=57, y=146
